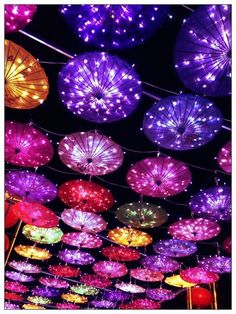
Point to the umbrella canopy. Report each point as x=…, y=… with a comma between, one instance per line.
x=90, y=153
x=15, y=287
x=64, y=271
x=45, y=291
x=26, y=83
x=175, y=248
x=160, y=263
x=25, y=146
x=82, y=239
x=129, y=237
x=13, y=296
x=177, y=281
x=116, y=295
x=159, y=177
x=160, y=294
x=84, y=290
x=129, y=287
x=145, y=274
x=198, y=275
x=39, y=300
x=18, y=16
x=119, y=253
x=14, y=275
x=25, y=267
x=10, y=217
x=216, y=264
x=42, y=235
x=32, y=252
x=103, y=304
x=224, y=157
x=54, y=282
x=110, y=269
x=75, y=298
x=76, y=257
x=95, y=281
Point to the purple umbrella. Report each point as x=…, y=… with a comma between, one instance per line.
x=175, y=248
x=118, y=296
x=45, y=291
x=160, y=263
x=216, y=264
x=160, y=294
x=103, y=304
x=76, y=257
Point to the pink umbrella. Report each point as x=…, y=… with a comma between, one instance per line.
x=95, y=281
x=15, y=287
x=25, y=146
x=119, y=253
x=110, y=269
x=194, y=229
x=82, y=239
x=54, y=282
x=224, y=157
x=18, y=16
x=25, y=267
x=129, y=287
x=159, y=177
x=198, y=275
x=87, y=222
x=90, y=153
x=145, y=274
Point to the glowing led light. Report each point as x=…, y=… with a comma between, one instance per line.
x=26, y=146
x=175, y=248
x=32, y=252
x=13, y=275
x=160, y=294
x=119, y=253
x=62, y=270
x=42, y=235
x=95, y=281
x=26, y=83
x=25, y=267
x=85, y=196
x=198, y=275
x=82, y=239
x=114, y=26
x=145, y=274
x=86, y=222
x=182, y=122
x=103, y=89
x=216, y=264
x=160, y=263
x=203, y=51
x=109, y=269
x=84, y=290
x=18, y=16
x=159, y=177
x=90, y=153
x=194, y=229
x=224, y=157
x=35, y=214
x=129, y=237
x=141, y=215
x=213, y=203
x=177, y=281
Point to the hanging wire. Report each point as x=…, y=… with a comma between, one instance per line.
x=187, y=7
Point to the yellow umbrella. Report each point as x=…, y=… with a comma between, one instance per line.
x=177, y=281
x=32, y=252
x=130, y=237
x=33, y=307
x=26, y=83
x=75, y=298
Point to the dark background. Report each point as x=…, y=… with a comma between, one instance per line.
x=154, y=64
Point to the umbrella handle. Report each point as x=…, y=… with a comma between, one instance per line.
x=13, y=242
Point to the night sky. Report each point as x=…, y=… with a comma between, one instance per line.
x=154, y=63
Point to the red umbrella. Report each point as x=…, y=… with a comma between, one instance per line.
x=110, y=269
x=95, y=281
x=13, y=296
x=10, y=217
x=16, y=287
x=146, y=274
x=119, y=253
x=7, y=242
x=35, y=214
x=82, y=239
x=198, y=275
x=85, y=196
x=146, y=304
x=64, y=271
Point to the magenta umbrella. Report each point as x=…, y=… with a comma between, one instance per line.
x=110, y=269
x=145, y=274
x=82, y=239
x=25, y=146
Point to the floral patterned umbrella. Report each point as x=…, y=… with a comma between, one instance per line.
x=42, y=235
x=110, y=269
x=25, y=146
x=119, y=253
x=82, y=239
x=145, y=274
x=85, y=196
x=29, y=187
x=129, y=237
x=90, y=153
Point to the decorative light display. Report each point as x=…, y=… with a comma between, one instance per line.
x=14, y=275
x=114, y=26
x=26, y=83
x=75, y=298
x=160, y=294
x=95, y=281
x=10, y=217
x=141, y=215
x=203, y=51
x=32, y=307
x=213, y=203
x=67, y=306
x=129, y=237
x=175, y=248
x=198, y=275
x=117, y=296
x=64, y=271
x=42, y=235
x=25, y=267
x=85, y=196
x=82, y=239
x=84, y=290
x=216, y=264
x=119, y=253
x=182, y=122
x=18, y=16
x=13, y=296
x=160, y=263
x=39, y=300
x=32, y=252
x=29, y=187
x=103, y=304
x=145, y=274
x=145, y=304
x=201, y=297
x=11, y=306
x=227, y=244
x=224, y=157
x=129, y=287
x=76, y=257
x=35, y=214
x=177, y=281
x=87, y=222
x=15, y=287
x=45, y=292
x=25, y=146
x=99, y=87
x=90, y=153
x=54, y=282
x=6, y=242
x=159, y=177
x=194, y=229
x=110, y=269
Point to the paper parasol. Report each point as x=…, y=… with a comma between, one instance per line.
x=25, y=267
x=160, y=263
x=42, y=235
x=18, y=16
x=224, y=157
x=33, y=252
x=129, y=237
x=95, y=281
x=54, y=282
x=216, y=264
x=175, y=248
x=119, y=253
x=76, y=257
x=64, y=271
x=198, y=275
x=110, y=269
x=145, y=274
x=82, y=239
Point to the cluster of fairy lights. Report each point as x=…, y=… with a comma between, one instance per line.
x=109, y=97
